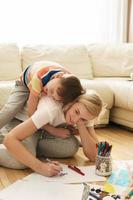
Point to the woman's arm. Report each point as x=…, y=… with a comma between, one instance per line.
x=92, y=132
x=13, y=143
x=88, y=140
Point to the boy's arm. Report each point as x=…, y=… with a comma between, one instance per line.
x=32, y=103
x=56, y=131
x=35, y=86
x=88, y=140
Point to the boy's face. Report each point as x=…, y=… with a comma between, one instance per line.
x=52, y=87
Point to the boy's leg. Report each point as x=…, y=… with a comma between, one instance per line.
x=7, y=160
x=55, y=147
x=15, y=103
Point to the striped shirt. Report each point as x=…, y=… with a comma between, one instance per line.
x=36, y=76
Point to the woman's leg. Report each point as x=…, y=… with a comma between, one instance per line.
x=15, y=102
x=7, y=128
x=55, y=147
x=7, y=160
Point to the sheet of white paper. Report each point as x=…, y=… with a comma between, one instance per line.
x=70, y=177
x=26, y=190
x=35, y=186
x=32, y=190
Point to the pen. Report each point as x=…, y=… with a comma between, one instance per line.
x=47, y=159
x=60, y=173
x=50, y=161
x=105, y=150
x=76, y=169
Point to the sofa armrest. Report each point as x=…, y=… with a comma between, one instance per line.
x=5, y=89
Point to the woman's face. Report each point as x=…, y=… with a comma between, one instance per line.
x=76, y=113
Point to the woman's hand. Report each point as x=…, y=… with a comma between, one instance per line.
x=87, y=139
x=81, y=122
x=49, y=169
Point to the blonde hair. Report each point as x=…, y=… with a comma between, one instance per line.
x=91, y=100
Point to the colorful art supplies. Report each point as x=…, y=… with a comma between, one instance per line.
x=121, y=178
x=104, y=149
x=122, y=174
x=103, y=159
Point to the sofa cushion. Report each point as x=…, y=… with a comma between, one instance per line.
x=5, y=89
x=75, y=58
x=10, y=63
x=123, y=92
x=102, y=89
x=111, y=60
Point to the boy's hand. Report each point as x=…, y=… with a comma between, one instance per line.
x=58, y=132
x=62, y=132
x=73, y=130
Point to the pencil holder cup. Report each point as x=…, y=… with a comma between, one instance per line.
x=103, y=165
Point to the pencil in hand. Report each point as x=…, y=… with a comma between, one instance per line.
x=61, y=173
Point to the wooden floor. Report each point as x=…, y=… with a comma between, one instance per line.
x=122, y=141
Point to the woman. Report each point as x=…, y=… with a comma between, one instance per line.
x=86, y=108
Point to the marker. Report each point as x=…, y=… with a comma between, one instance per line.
x=50, y=161
x=60, y=173
x=76, y=169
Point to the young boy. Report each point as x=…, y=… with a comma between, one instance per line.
x=40, y=78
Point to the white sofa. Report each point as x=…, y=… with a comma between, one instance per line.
x=104, y=68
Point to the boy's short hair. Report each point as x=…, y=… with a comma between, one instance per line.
x=70, y=89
